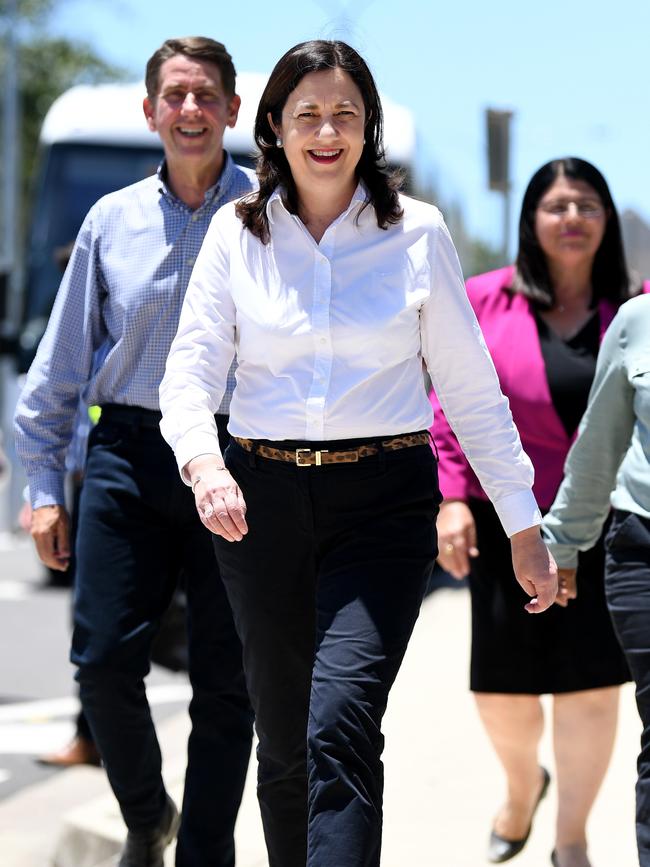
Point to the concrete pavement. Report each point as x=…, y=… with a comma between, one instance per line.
x=443, y=784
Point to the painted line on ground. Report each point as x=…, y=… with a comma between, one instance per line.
x=20, y=739
x=43, y=710
x=15, y=590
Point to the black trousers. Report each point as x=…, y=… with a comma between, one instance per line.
x=627, y=585
x=325, y=589
x=138, y=529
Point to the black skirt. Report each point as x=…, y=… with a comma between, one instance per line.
x=560, y=650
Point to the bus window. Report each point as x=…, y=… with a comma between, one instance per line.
x=73, y=177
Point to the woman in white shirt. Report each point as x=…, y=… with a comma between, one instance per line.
x=331, y=288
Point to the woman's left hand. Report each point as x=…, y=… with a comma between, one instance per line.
x=567, y=586
x=535, y=569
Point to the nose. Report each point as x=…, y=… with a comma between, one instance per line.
x=572, y=211
x=327, y=128
x=190, y=103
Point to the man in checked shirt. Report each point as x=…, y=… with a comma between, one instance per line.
x=107, y=340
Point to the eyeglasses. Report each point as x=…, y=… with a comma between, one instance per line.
x=588, y=208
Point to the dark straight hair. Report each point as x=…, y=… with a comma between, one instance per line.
x=273, y=169
x=610, y=277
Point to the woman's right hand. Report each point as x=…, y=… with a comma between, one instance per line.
x=219, y=501
x=456, y=537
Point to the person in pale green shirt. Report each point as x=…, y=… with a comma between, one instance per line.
x=607, y=468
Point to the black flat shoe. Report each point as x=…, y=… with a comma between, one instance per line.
x=501, y=849
x=554, y=860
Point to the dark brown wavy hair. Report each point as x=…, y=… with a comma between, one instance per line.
x=273, y=169
x=610, y=277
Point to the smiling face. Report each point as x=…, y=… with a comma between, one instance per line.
x=190, y=113
x=570, y=222
x=322, y=130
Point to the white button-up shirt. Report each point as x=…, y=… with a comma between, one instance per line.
x=330, y=339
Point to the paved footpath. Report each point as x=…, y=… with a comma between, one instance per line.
x=442, y=782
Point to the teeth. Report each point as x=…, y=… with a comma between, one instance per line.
x=326, y=153
x=192, y=132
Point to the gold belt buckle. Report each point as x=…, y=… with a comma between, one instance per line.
x=308, y=453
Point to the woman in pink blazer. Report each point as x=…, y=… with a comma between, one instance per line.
x=542, y=321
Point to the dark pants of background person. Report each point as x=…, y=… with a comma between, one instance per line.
x=326, y=588
x=138, y=528
x=627, y=585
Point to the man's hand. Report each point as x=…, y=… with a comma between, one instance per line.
x=456, y=537
x=535, y=569
x=219, y=501
x=50, y=529
x=567, y=586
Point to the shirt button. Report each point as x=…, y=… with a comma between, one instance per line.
x=323, y=340
x=195, y=217
x=191, y=260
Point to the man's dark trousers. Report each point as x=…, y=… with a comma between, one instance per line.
x=138, y=528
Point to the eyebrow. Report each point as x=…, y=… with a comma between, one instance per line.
x=561, y=199
x=205, y=85
x=306, y=104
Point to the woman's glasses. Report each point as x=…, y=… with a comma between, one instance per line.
x=588, y=208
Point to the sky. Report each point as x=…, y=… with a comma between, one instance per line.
x=574, y=72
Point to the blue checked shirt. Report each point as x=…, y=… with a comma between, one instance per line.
x=115, y=316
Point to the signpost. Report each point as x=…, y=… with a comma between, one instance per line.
x=9, y=144
x=498, y=147
x=9, y=217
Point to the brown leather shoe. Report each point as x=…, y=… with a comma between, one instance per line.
x=80, y=751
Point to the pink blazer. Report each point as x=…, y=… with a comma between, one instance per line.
x=510, y=332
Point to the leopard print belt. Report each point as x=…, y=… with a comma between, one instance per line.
x=314, y=458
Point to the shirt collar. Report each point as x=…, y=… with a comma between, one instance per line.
x=359, y=196
x=222, y=183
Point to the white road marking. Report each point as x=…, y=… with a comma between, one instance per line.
x=44, y=710
x=10, y=590
x=21, y=739
x=35, y=727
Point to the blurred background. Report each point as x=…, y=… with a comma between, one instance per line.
x=477, y=96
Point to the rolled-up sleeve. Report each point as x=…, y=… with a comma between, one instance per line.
x=467, y=386
x=201, y=354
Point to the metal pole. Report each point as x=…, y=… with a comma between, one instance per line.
x=9, y=264
x=507, y=212
x=10, y=142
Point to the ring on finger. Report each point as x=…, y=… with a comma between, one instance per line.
x=449, y=548
x=208, y=510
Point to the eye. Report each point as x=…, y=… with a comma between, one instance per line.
x=590, y=208
x=556, y=209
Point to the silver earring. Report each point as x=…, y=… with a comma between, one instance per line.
x=278, y=142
